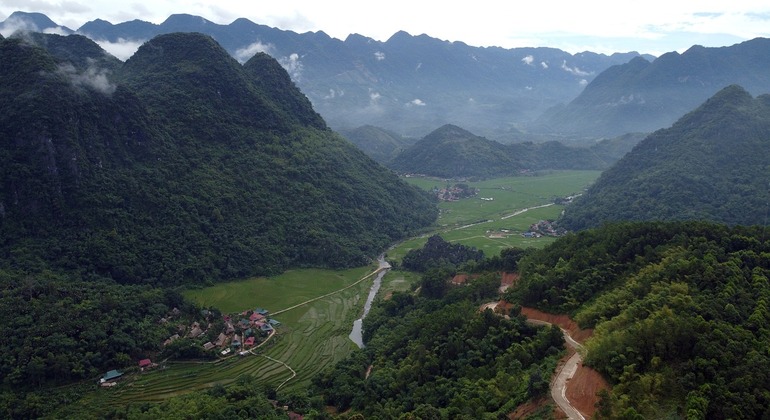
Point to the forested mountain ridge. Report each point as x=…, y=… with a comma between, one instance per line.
x=680, y=311
x=712, y=164
x=451, y=151
x=644, y=95
x=180, y=165
x=409, y=84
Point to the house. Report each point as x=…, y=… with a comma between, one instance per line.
x=263, y=312
x=229, y=329
x=225, y=352
x=256, y=317
x=266, y=327
x=196, y=331
x=145, y=363
x=208, y=346
x=112, y=375
x=171, y=339
x=274, y=322
x=221, y=340
x=249, y=341
x=244, y=323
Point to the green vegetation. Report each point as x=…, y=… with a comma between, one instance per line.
x=680, y=311
x=180, y=166
x=473, y=222
x=438, y=356
x=452, y=152
x=710, y=165
x=438, y=253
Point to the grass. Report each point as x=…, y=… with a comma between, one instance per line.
x=471, y=221
x=315, y=335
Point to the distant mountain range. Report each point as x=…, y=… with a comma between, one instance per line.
x=180, y=165
x=712, y=164
x=409, y=84
x=643, y=96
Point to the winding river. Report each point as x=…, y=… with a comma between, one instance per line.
x=356, y=334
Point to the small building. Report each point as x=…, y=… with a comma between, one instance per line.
x=263, y=312
x=221, y=340
x=266, y=328
x=208, y=346
x=274, y=322
x=225, y=352
x=145, y=363
x=256, y=317
x=249, y=341
x=112, y=375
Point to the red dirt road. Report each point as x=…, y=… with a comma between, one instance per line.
x=582, y=388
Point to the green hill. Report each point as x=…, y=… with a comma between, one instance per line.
x=451, y=151
x=711, y=165
x=680, y=311
x=180, y=165
x=378, y=143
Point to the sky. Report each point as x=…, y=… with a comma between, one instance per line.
x=651, y=26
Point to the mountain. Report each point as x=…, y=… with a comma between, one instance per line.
x=379, y=144
x=179, y=165
x=407, y=84
x=451, y=151
x=712, y=164
x=32, y=22
x=643, y=96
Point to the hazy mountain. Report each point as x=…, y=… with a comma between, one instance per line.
x=712, y=164
x=451, y=151
x=408, y=84
x=378, y=143
x=32, y=22
x=643, y=96
x=179, y=165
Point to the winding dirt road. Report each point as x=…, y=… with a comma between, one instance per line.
x=564, y=374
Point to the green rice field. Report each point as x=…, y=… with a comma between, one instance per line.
x=491, y=225
x=315, y=335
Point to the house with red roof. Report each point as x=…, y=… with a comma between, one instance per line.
x=145, y=363
x=249, y=341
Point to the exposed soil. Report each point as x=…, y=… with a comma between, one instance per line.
x=582, y=388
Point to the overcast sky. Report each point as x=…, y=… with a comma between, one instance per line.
x=649, y=26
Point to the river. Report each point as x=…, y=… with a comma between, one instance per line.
x=356, y=334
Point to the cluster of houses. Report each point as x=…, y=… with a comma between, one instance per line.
x=243, y=333
x=544, y=228
x=455, y=192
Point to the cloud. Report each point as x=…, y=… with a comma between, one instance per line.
x=122, y=49
x=415, y=102
x=334, y=93
x=419, y=65
x=379, y=55
x=14, y=24
x=574, y=70
x=374, y=96
x=543, y=64
x=56, y=31
x=93, y=77
x=244, y=54
x=292, y=65
x=583, y=82
x=528, y=60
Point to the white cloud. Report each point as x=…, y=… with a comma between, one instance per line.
x=528, y=60
x=92, y=77
x=419, y=65
x=379, y=55
x=543, y=64
x=15, y=24
x=293, y=66
x=122, y=49
x=415, y=102
x=583, y=82
x=334, y=93
x=574, y=70
x=56, y=31
x=244, y=54
x=374, y=96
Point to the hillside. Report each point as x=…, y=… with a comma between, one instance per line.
x=379, y=144
x=179, y=165
x=679, y=310
x=409, y=84
x=451, y=152
x=644, y=96
x=710, y=165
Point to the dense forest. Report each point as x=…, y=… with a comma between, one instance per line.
x=179, y=166
x=710, y=165
x=680, y=311
x=436, y=355
x=438, y=253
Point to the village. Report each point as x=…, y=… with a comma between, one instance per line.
x=217, y=337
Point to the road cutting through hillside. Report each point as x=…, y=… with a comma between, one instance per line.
x=564, y=374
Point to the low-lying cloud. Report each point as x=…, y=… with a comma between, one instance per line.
x=528, y=60
x=93, y=77
x=244, y=54
x=292, y=65
x=574, y=70
x=123, y=49
x=415, y=102
x=379, y=56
